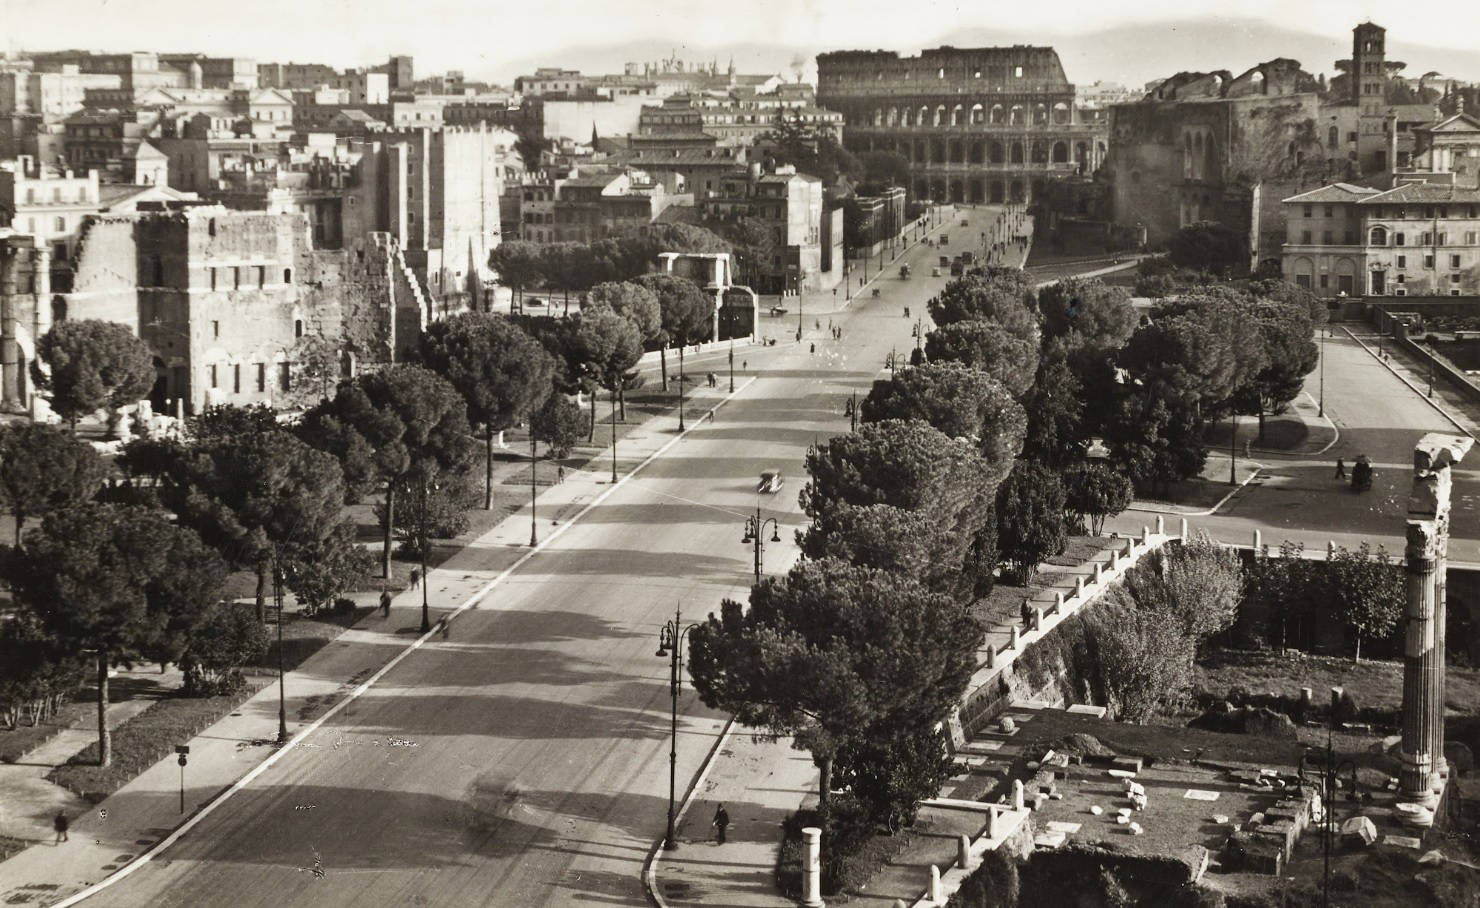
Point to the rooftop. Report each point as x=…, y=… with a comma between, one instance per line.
x=1420, y=193
x=1336, y=192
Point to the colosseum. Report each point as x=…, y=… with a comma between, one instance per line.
x=986, y=124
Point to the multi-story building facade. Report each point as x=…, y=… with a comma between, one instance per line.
x=736, y=118
x=1417, y=239
x=788, y=204
x=988, y=124
x=550, y=80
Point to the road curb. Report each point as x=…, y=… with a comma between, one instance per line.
x=1440, y=409
x=655, y=857
x=471, y=601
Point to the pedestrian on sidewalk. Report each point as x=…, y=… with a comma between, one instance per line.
x=721, y=823
x=1027, y=611
x=415, y=578
x=1340, y=469
x=60, y=825
x=444, y=626
x=559, y=473
x=385, y=602
x=813, y=348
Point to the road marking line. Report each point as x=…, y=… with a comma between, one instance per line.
x=251, y=776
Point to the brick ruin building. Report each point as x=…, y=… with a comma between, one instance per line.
x=227, y=300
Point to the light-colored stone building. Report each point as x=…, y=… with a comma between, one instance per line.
x=1417, y=239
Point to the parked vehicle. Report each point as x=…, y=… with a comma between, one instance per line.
x=904, y=272
x=1362, y=474
x=945, y=239
x=945, y=261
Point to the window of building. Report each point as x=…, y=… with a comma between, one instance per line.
x=1470, y=238
x=1350, y=238
x=261, y=377
x=1454, y=261
x=1305, y=237
x=1454, y=278
x=285, y=377
x=298, y=327
x=1425, y=238
x=1325, y=237
x=1303, y=280
x=1017, y=72
x=236, y=378
x=1309, y=210
x=1454, y=291
x=215, y=329
x=1428, y=262
x=1402, y=261
x=1377, y=236
x=1329, y=212
x=1400, y=239
x=211, y=370
x=61, y=225
x=261, y=276
x=236, y=277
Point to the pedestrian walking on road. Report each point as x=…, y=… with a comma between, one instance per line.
x=721, y=823
x=1340, y=469
x=813, y=348
x=444, y=626
x=385, y=602
x=60, y=825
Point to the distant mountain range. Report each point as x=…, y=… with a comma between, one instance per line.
x=1129, y=54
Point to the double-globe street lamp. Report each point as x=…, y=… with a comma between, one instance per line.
x=755, y=529
x=277, y=595
x=670, y=645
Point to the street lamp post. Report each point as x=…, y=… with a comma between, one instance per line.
x=277, y=594
x=853, y=412
x=533, y=500
x=670, y=644
x=799, y=316
x=680, y=382
x=1233, y=453
x=1321, y=409
x=732, y=365
x=755, y=529
x=614, y=427
x=421, y=532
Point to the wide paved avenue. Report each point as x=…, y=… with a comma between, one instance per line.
x=524, y=761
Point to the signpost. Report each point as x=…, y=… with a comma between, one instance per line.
x=183, y=750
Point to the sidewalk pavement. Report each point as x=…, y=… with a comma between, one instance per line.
x=143, y=816
x=28, y=802
x=759, y=783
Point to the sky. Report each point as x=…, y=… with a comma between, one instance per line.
x=498, y=38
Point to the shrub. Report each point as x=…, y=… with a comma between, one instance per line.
x=229, y=637
x=993, y=883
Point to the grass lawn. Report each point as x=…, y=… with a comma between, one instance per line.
x=1373, y=684
x=1206, y=490
x=24, y=738
x=10, y=846
x=145, y=740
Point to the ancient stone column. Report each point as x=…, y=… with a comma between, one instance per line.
x=1422, y=749
x=812, y=867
